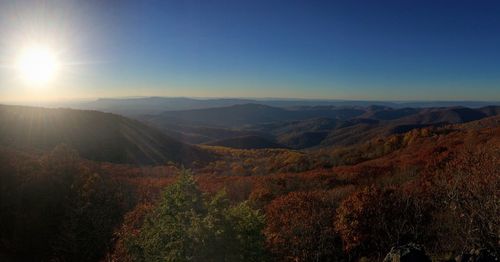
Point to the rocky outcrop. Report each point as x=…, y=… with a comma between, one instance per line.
x=407, y=253
x=477, y=255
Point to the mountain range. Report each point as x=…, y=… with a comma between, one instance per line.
x=183, y=136
x=305, y=126
x=154, y=105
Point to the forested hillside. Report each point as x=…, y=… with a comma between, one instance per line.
x=437, y=187
x=95, y=135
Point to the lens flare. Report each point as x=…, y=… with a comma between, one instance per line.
x=37, y=64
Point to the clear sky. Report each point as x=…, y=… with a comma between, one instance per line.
x=385, y=50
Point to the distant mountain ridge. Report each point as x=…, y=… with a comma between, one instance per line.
x=309, y=126
x=155, y=105
x=114, y=138
x=251, y=114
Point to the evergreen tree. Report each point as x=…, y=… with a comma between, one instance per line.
x=186, y=227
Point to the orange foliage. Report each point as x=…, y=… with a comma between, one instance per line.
x=373, y=220
x=300, y=227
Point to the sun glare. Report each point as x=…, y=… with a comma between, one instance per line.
x=37, y=65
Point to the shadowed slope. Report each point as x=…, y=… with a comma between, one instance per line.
x=246, y=142
x=95, y=135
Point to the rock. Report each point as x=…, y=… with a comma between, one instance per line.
x=407, y=253
x=478, y=255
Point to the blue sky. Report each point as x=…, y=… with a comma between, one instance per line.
x=384, y=50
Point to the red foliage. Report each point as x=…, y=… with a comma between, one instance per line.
x=269, y=187
x=373, y=220
x=300, y=227
x=131, y=225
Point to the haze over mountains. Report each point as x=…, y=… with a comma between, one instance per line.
x=306, y=126
x=155, y=105
x=167, y=135
x=287, y=123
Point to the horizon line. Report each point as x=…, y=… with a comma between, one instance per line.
x=92, y=99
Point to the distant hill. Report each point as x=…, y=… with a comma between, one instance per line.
x=199, y=134
x=426, y=149
x=304, y=133
x=308, y=126
x=154, y=105
x=246, y=115
x=304, y=139
x=232, y=116
x=387, y=113
x=95, y=135
x=246, y=142
x=451, y=115
x=420, y=118
x=488, y=122
x=490, y=110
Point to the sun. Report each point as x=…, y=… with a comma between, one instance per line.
x=37, y=64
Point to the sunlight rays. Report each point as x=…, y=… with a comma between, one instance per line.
x=37, y=65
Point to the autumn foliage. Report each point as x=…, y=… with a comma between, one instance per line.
x=437, y=187
x=300, y=227
x=373, y=220
x=57, y=207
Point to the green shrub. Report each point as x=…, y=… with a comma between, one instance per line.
x=185, y=226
